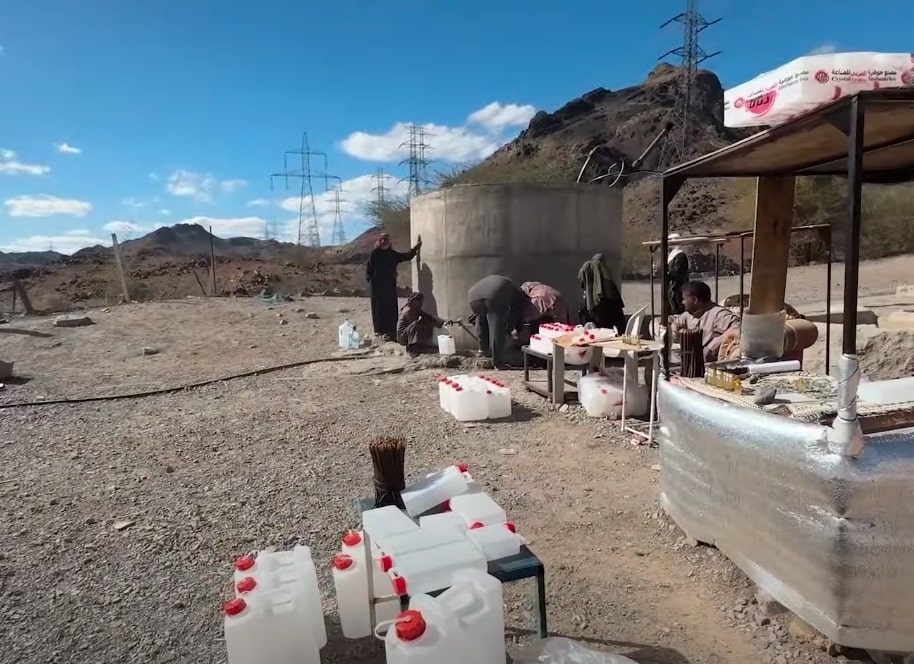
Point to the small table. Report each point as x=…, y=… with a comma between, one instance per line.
x=555, y=373
x=524, y=565
x=647, y=354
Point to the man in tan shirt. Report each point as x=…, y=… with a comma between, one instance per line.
x=702, y=313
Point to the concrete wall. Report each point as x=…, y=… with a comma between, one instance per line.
x=527, y=232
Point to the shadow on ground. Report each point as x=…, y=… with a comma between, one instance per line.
x=27, y=333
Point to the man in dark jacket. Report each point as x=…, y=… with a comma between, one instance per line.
x=499, y=307
x=381, y=272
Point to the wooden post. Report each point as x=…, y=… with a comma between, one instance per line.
x=771, y=247
x=23, y=296
x=120, y=267
x=212, y=258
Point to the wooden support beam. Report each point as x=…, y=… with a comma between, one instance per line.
x=771, y=245
x=19, y=289
x=120, y=268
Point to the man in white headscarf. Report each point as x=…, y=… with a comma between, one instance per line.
x=677, y=275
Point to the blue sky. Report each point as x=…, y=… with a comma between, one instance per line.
x=124, y=115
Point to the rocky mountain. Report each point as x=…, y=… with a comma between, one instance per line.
x=28, y=258
x=620, y=124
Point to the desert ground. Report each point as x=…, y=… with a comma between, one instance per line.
x=203, y=475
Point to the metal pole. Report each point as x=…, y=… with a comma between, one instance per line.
x=212, y=258
x=852, y=241
x=717, y=272
x=828, y=238
x=742, y=274
x=653, y=312
x=666, y=193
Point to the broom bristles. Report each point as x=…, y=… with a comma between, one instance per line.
x=388, y=460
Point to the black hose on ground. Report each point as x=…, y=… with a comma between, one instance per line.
x=179, y=388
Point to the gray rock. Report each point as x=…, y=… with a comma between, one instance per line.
x=73, y=321
x=312, y=315
x=764, y=396
x=6, y=369
x=148, y=350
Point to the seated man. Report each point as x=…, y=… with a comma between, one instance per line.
x=702, y=313
x=416, y=328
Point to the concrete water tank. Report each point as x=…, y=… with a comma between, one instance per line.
x=527, y=232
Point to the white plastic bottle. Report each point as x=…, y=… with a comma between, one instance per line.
x=496, y=541
x=350, y=579
x=354, y=338
x=434, y=489
x=478, y=508
x=431, y=570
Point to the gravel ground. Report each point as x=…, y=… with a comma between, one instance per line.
x=207, y=474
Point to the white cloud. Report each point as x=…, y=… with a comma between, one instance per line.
x=231, y=227
x=200, y=187
x=126, y=229
x=231, y=186
x=164, y=212
x=139, y=203
x=498, y=117
x=66, y=243
x=450, y=144
x=66, y=148
x=10, y=165
x=43, y=205
x=259, y=202
x=822, y=49
x=483, y=133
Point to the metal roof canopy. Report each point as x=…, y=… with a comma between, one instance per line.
x=868, y=137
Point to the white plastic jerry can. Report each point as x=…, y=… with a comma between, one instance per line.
x=350, y=579
x=266, y=629
x=446, y=345
x=424, y=634
x=345, y=334
x=354, y=545
x=431, y=570
x=477, y=602
x=290, y=572
x=433, y=490
x=478, y=508
x=496, y=541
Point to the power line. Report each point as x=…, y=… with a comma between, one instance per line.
x=338, y=234
x=308, y=228
x=691, y=54
x=380, y=188
x=416, y=160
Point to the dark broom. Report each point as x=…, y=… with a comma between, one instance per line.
x=692, y=353
x=388, y=459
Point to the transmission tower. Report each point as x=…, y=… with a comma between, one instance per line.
x=417, y=160
x=270, y=231
x=308, y=229
x=380, y=188
x=691, y=55
x=338, y=234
